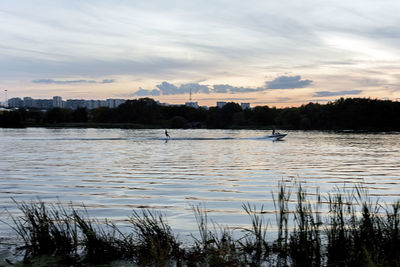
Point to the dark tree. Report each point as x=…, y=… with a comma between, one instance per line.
x=12, y=119
x=363, y=114
x=58, y=115
x=80, y=115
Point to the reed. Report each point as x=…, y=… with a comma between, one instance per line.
x=281, y=204
x=355, y=231
x=215, y=246
x=391, y=235
x=100, y=244
x=254, y=246
x=46, y=230
x=155, y=244
x=305, y=241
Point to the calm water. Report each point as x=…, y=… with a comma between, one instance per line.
x=112, y=171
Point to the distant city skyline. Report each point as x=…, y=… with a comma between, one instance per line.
x=284, y=53
x=74, y=103
x=59, y=102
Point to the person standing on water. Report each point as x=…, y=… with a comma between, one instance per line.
x=166, y=134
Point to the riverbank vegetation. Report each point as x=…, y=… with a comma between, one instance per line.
x=359, y=114
x=343, y=228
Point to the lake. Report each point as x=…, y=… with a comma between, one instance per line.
x=112, y=171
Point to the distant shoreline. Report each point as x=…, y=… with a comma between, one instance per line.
x=345, y=115
x=91, y=125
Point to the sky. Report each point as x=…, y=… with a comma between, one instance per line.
x=276, y=53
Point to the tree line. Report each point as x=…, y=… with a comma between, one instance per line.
x=363, y=114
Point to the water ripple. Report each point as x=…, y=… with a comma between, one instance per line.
x=112, y=171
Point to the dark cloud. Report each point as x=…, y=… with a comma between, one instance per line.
x=19, y=66
x=51, y=81
x=287, y=82
x=221, y=88
x=329, y=93
x=337, y=62
x=228, y=99
x=166, y=88
x=144, y=92
x=171, y=89
x=391, y=32
x=108, y=81
x=226, y=88
x=195, y=87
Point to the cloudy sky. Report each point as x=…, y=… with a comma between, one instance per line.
x=279, y=53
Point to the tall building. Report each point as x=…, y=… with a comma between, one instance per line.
x=28, y=102
x=75, y=103
x=15, y=102
x=114, y=103
x=192, y=104
x=92, y=104
x=57, y=102
x=43, y=103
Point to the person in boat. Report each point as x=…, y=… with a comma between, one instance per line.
x=166, y=134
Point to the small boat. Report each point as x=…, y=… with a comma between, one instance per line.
x=277, y=136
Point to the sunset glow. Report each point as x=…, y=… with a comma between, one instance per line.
x=282, y=53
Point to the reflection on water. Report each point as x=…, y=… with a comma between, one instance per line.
x=112, y=171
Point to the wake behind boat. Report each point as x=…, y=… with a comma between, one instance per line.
x=277, y=136
x=274, y=137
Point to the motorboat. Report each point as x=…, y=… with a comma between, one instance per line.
x=277, y=136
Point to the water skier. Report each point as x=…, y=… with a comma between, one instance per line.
x=166, y=134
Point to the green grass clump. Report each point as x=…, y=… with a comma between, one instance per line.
x=354, y=231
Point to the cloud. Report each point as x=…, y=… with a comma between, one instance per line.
x=228, y=99
x=330, y=93
x=166, y=88
x=144, y=92
x=287, y=82
x=195, y=87
x=226, y=88
x=371, y=82
x=160, y=41
x=221, y=88
x=51, y=81
x=108, y=81
x=171, y=89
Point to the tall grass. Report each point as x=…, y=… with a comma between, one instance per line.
x=215, y=245
x=155, y=244
x=99, y=242
x=254, y=246
x=281, y=204
x=46, y=230
x=305, y=241
x=354, y=231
